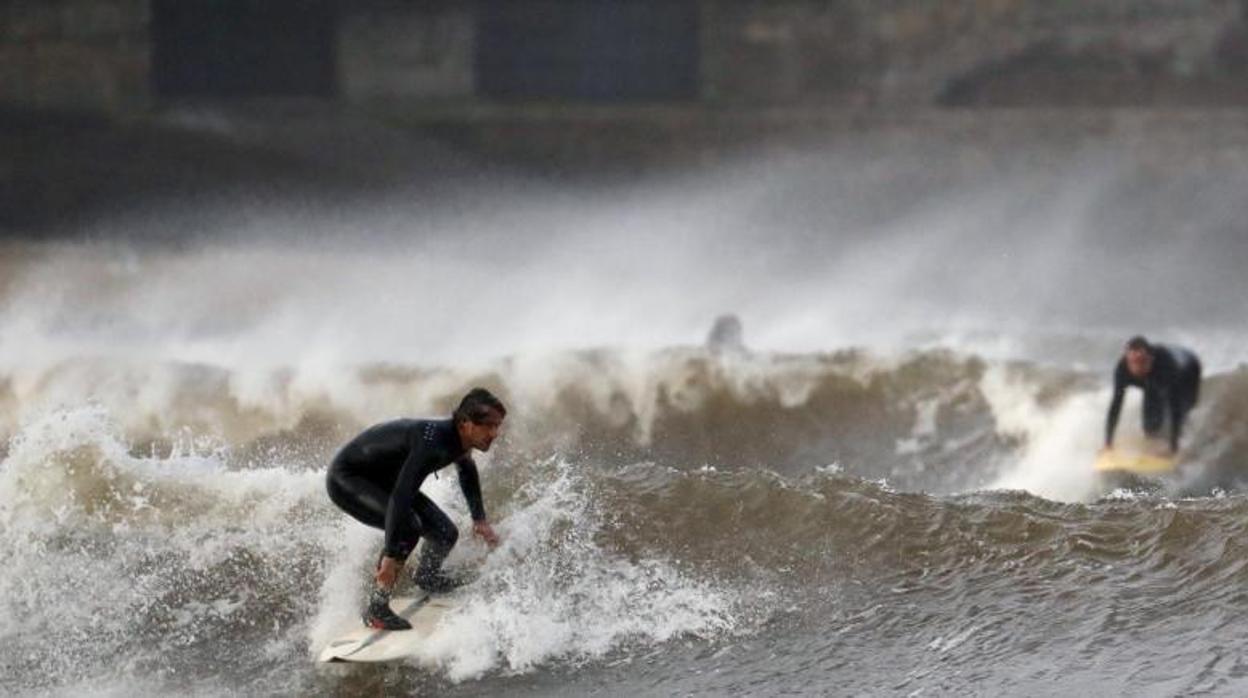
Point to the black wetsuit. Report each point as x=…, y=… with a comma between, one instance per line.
x=376, y=478
x=1173, y=384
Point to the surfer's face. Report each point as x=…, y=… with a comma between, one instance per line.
x=1139, y=362
x=480, y=435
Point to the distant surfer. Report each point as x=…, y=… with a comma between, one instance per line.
x=376, y=479
x=727, y=336
x=1170, y=377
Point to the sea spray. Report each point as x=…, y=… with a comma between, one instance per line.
x=553, y=592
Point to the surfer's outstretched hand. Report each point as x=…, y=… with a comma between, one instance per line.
x=486, y=532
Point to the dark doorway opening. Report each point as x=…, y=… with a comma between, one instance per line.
x=593, y=50
x=239, y=48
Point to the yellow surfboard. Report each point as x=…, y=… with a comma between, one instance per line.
x=1134, y=463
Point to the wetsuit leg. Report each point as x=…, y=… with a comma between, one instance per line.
x=1191, y=384
x=1188, y=392
x=439, y=532
x=365, y=501
x=360, y=497
x=1154, y=412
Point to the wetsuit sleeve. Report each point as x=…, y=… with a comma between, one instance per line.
x=470, y=483
x=1115, y=405
x=400, y=539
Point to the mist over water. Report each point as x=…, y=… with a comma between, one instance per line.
x=898, y=464
x=832, y=249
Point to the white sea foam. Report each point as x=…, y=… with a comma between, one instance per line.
x=120, y=548
x=551, y=591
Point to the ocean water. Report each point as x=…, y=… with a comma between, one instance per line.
x=886, y=490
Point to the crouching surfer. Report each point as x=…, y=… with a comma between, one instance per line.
x=376, y=478
x=1170, y=378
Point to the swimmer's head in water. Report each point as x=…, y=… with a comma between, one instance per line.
x=1139, y=356
x=478, y=418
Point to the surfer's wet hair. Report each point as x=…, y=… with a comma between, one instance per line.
x=477, y=406
x=1138, y=343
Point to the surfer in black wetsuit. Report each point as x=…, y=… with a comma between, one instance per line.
x=1170, y=377
x=376, y=479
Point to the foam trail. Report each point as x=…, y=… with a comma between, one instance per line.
x=1060, y=441
x=552, y=592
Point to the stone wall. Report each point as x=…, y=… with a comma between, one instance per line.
x=81, y=54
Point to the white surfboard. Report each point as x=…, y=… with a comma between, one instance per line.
x=423, y=611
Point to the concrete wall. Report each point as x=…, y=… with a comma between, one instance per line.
x=903, y=52
x=406, y=50
x=891, y=53
x=95, y=54
x=583, y=142
x=82, y=54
